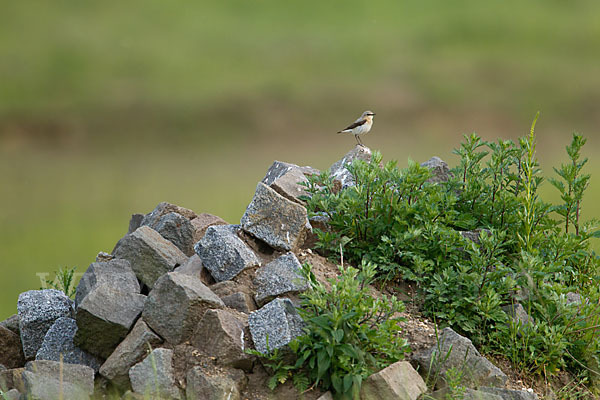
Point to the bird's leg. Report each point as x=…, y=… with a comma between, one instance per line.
x=359, y=141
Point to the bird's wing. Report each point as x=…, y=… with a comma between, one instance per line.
x=355, y=125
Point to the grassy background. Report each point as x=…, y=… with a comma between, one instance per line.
x=107, y=109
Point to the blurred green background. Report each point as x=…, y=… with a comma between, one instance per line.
x=108, y=108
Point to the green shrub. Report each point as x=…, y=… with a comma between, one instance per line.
x=528, y=250
x=349, y=335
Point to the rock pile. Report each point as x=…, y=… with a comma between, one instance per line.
x=171, y=312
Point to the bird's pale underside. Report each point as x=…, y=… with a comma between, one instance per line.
x=361, y=126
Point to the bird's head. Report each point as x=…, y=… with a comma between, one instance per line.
x=367, y=114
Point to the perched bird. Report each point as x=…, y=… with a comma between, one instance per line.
x=360, y=126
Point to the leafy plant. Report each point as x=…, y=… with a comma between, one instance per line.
x=518, y=248
x=64, y=281
x=349, y=335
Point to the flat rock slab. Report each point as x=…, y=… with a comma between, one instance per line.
x=104, y=318
x=279, y=277
x=440, y=172
x=154, y=375
x=339, y=171
x=478, y=370
x=149, y=254
x=43, y=380
x=176, y=304
x=277, y=322
x=220, y=334
x=211, y=385
x=59, y=342
x=38, y=309
x=223, y=253
x=11, y=350
x=116, y=272
x=133, y=349
x=397, y=381
x=277, y=221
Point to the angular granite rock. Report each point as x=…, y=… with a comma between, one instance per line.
x=440, y=172
x=478, y=370
x=12, y=379
x=116, y=273
x=397, y=381
x=133, y=349
x=11, y=323
x=164, y=208
x=220, y=334
x=38, y=309
x=277, y=221
x=239, y=301
x=340, y=173
x=508, y=394
x=176, y=304
x=135, y=222
x=178, y=230
x=517, y=313
x=154, y=376
x=104, y=317
x=281, y=276
x=149, y=254
x=59, y=341
x=285, y=179
x=11, y=350
x=202, y=222
x=214, y=385
x=278, y=321
x=223, y=253
x=43, y=380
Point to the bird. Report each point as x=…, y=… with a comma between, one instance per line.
x=361, y=126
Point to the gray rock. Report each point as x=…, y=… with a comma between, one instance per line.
x=463, y=356
x=439, y=169
x=281, y=276
x=116, y=273
x=38, y=309
x=340, y=173
x=12, y=379
x=135, y=222
x=149, y=253
x=11, y=323
x=46, y=379
x=154, y=375
x=239, y=301
x=397, y=381
x=59, y=341
x=285, y=179
x=178, y=230
x=11, y=350
x=133, y=349
x=220, y=334
x=42, y=387
x=278, y=322
x=475, y=234
x=467, y=394
x=211, y=385
x=164, y=208
x=517, y=313
x=202, y=222
x=12, y=394
x=176, y=304
x=223, y=253
x=573, y=298
x=104, y=317
x=508, y=394
x=194, y=267
x=277, y=221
